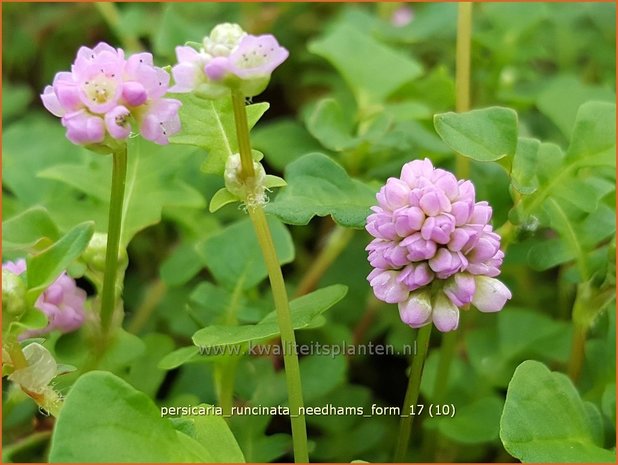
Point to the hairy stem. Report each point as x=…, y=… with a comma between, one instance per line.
x=109, y=293
x=280, y=296
x=412, y=393
x=462, y=73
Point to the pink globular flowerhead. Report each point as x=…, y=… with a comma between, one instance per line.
x=229, y=59
x=106, y=96
x=434, y=250
x=62, y=302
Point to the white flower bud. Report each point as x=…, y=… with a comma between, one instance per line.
x=223, y=39
x=13, y=294
x=250, y=190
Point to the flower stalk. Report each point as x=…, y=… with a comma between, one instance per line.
x=110, y=293
x=288, y=339
x=462, y=73
x=414, y=384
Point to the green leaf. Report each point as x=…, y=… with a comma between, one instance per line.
x=26, y=150
x=369, y=74
x=283, y=141
x=212, y=432
x=46, y=266
x=317, y=185
x=474, y=423
x=234, y=252
x=209, y=124
x=144, y=373
x=562, y=98
x=104, y=419
x=320, y=375
x=178, y=357
x=523, y=172
x=495, y=354
x=578, y=177
x=180, y=266
x=488, y=134
x=545, y=420
x=28, y=229
x=594, y=135
x=15, y=101
x=304, y=311
x=331, y=125
x=221, y=198
x=152, y=183
x=271, y=181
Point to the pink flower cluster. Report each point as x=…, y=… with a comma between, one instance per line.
x=229, y=58
x=434, y=250
x=62, y=302
x=104, y=92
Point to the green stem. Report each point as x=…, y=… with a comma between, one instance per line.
x=337, y=242
x=109, y=12
x=225, y=371
x=412, y=393
x=242, y=133
x=447, y=353
x=576, y=359
x=288, y=340
x=280, y=296
x=109, y=294
x=225, y=377
x=462, y=73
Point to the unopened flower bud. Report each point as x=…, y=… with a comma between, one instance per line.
x=223, y=39
x=13, y=294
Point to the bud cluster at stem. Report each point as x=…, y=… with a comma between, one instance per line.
x=228, y=59
x=252, y=191
x=434, y=250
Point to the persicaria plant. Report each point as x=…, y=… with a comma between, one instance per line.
x=343, y=233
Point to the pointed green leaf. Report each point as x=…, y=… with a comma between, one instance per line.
x=272, y=181
x=221, y=198
x=488, y=134
x=317, y=185
x=545, y=420
x=45, y=267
